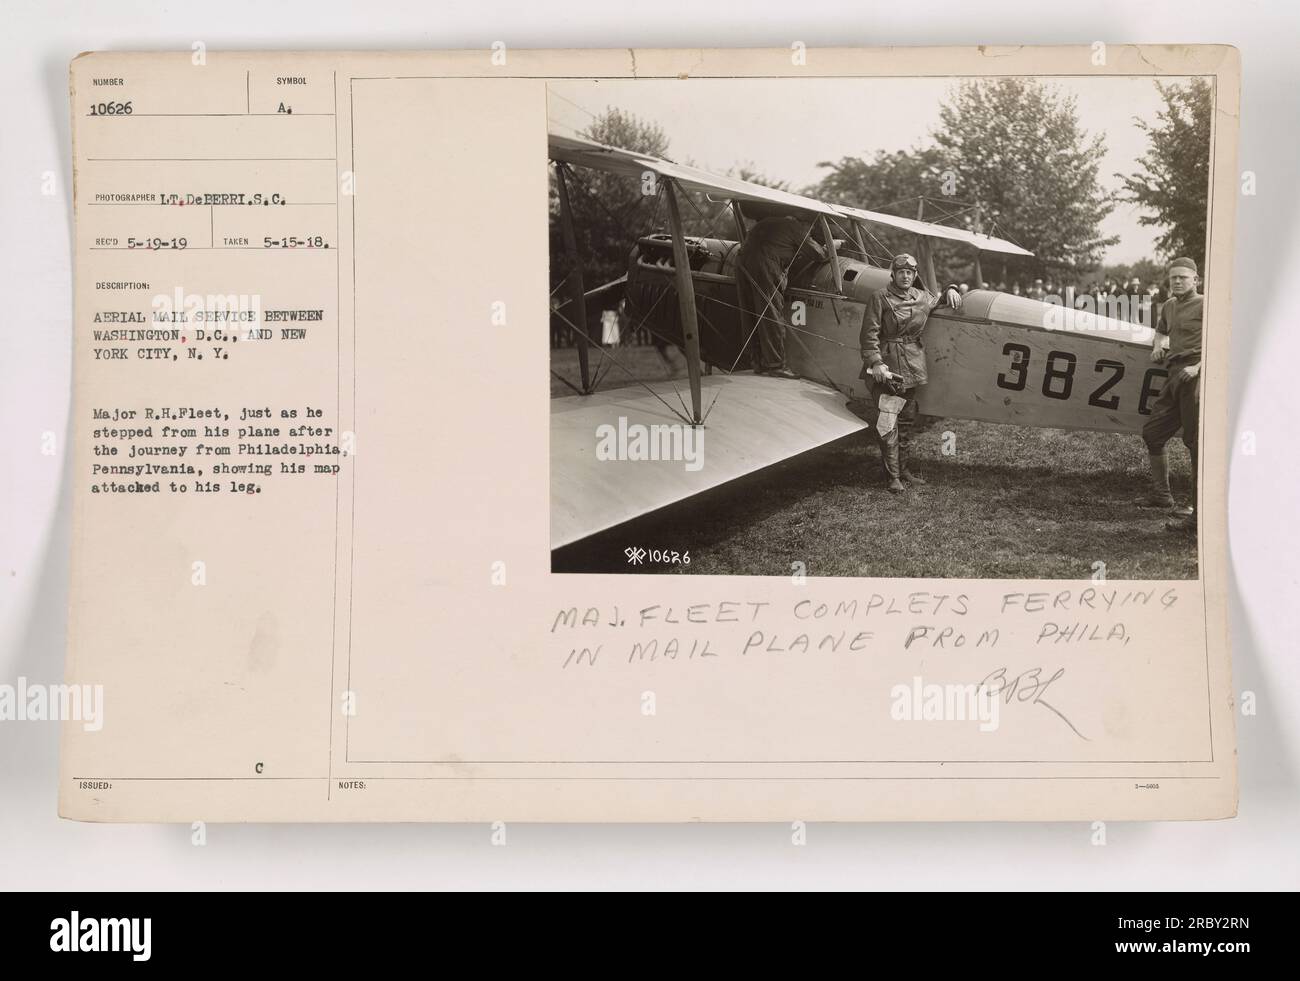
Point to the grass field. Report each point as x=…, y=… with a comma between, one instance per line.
x=1011, y=502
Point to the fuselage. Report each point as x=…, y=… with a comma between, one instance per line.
x=1001, y=358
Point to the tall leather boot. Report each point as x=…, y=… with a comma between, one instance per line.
x=1185, y=519
x=1159, y=496
x=889, y=461
x=904, y=444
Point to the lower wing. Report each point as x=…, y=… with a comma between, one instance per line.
x=621, y=453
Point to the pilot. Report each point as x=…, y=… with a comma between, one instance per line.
x=769, y=250
x=1177, y=343
x=893, y=361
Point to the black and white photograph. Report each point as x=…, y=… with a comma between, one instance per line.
x=906, y=327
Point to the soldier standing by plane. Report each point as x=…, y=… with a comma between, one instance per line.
x=1177, y=343
x=893, y=361
x=764, y=262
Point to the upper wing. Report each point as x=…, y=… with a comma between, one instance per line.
x=584, y=153
x=985, y=243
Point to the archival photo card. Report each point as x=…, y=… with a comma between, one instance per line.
x=731, y=435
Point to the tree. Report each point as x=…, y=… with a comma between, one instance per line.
x=614, y=127
x=890, y=183
x=611, y=210
x=1015, y=147
x=607, y=208
x=1173, y=181
x=1009, y=159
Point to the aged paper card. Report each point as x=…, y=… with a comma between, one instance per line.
x=444, y=456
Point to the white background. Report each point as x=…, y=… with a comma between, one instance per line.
x=1258, y=849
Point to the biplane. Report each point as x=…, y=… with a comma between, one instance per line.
x=1000, y=359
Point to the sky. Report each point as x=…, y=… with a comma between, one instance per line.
x=785, y=127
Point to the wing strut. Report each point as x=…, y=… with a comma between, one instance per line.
x=836, y=274
x=856, y=226
x=742, y=308
x=576, y=293
x=685, y=300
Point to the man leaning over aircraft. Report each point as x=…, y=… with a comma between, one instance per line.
x=765, y=258
x=893, y=361
x=1177, y=343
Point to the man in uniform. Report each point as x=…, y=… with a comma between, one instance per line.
x=1177, y=343
x=893, y=361
x=769, y=250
